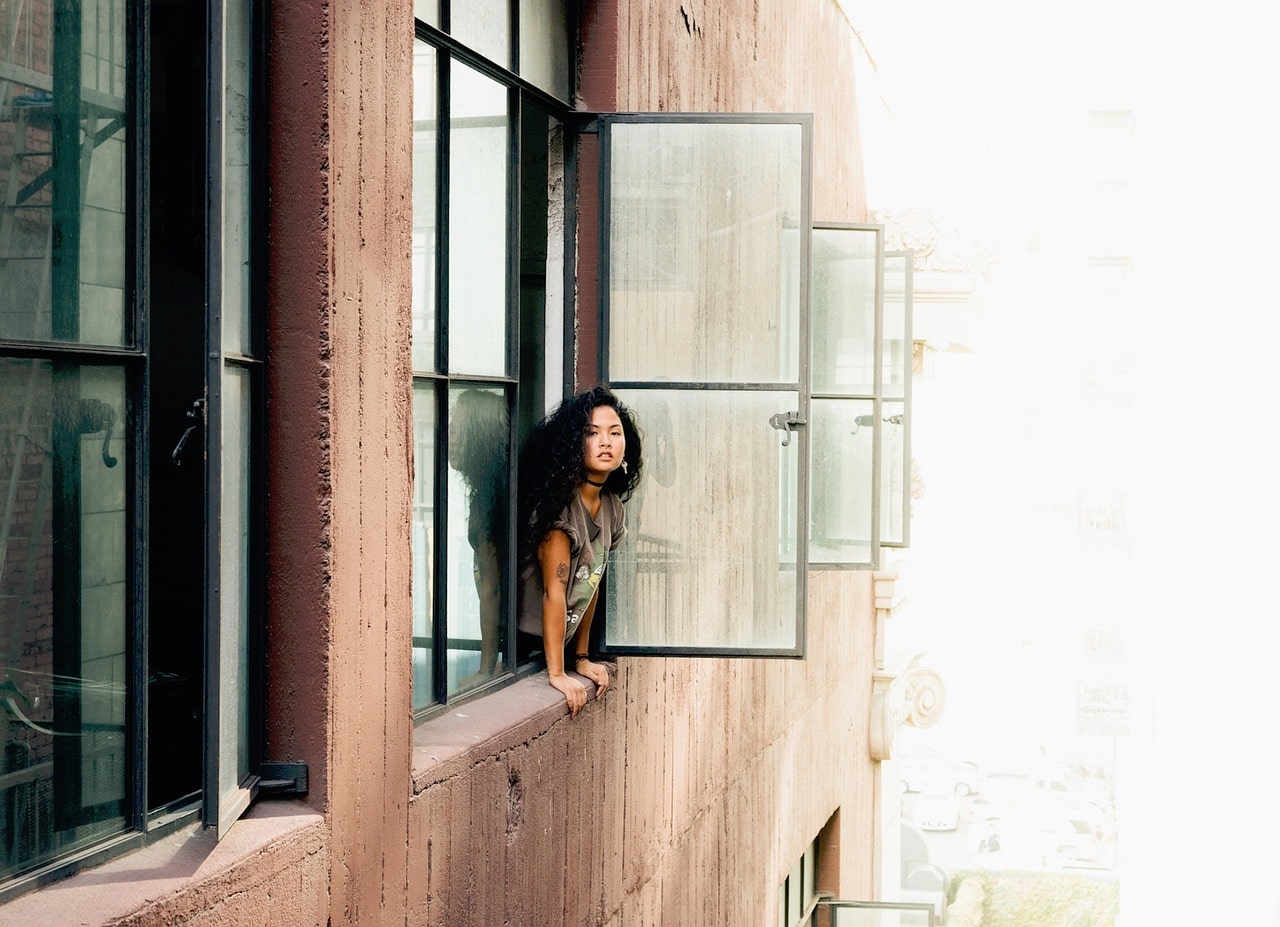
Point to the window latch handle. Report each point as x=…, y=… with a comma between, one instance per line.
x=195, y=415
x=786, y=423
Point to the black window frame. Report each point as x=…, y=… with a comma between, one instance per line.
x=522, y=95
x=136, y=438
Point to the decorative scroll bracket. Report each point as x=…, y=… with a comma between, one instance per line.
x=914, y=696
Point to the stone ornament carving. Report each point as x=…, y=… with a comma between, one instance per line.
x=936, y=244
x=915, y=696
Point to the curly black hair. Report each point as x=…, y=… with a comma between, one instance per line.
x=551, y=463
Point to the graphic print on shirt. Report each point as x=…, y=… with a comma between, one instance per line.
x=586, y=582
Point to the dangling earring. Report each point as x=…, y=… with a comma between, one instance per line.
x=624, y=465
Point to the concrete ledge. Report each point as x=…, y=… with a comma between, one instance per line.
x=187, y=878
x=448, y=745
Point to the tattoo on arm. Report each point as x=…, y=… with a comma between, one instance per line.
x=562, y=572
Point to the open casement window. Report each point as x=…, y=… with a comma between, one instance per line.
x=233, y=407
x=705, y=335
x=895, y=412
x=130, y=400
x=860, y=458
x=847, y=372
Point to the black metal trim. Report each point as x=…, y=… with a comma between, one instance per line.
x=259, y=143
x=569, y=300
x=214, y=82
x=473, y=59
x=138, y=233
x=71, y=350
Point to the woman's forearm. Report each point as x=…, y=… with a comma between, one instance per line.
x=553, y=612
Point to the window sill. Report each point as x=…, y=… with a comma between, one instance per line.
x=143, y=883
x=450, y=743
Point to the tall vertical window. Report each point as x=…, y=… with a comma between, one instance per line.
x=487, y=316
x=130, y=375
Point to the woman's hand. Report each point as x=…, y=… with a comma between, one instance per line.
x=575, y=693
x=597, y=673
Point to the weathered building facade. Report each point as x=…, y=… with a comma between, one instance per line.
x=344, y=252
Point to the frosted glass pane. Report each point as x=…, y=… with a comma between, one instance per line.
x=544, y=46
x=477, y=224
x=423, y=538
x=698, y=260
x=844, y=310
x=841, y=488
x=425, y=129
x=897, y=346
x=428, y=11
x=484, y=25
x=479, y=473
x=233, y=650
x=709, y=560
x=894, y=474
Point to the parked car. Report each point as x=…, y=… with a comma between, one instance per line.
x=919, y=774
x=937, y=810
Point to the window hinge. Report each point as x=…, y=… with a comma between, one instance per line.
x=282, y=778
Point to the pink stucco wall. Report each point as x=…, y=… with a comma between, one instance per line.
x=688, y=794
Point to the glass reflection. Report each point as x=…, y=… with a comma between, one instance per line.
x=422, y=530
x=63, y=607
x=63, y=233
x=709, y=559
x=479, y=479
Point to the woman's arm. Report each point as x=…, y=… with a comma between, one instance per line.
x=553, y=561
x=596, y=672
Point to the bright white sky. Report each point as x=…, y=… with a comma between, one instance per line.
x=978, y=111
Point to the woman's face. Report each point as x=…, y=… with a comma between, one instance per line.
x=604, y=444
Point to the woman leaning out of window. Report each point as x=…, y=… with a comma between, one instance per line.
x=577, y=467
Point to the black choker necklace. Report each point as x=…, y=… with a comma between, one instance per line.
x=594, y=483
